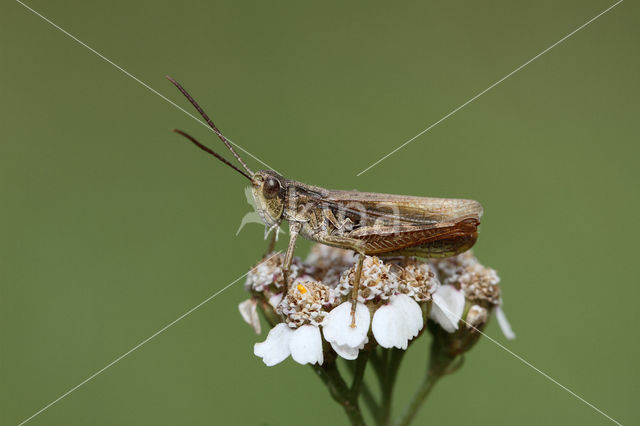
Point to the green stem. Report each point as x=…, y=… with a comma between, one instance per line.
x=365, y=390
x=379, y=361
x=358, y=375
x=418, y=399
x=340, y=392
x=385, y=357
x=369, y=400
x=439, y=366
x=393, y=365
x=330, y=376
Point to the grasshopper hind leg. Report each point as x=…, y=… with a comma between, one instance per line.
x=354, y=293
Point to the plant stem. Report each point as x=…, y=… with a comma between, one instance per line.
x=439, y=364
x=330, y=376
x=339, y=391
x=369, y=400
x=358, y=375
x=365, y=390
x=379, y=363
x=395, y=357
x=418, y=399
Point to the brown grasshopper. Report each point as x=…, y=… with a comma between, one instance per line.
x=365, y=222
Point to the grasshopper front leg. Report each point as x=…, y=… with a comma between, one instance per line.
x=294, y=230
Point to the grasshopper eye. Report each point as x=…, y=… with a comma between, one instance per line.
x=271, y=188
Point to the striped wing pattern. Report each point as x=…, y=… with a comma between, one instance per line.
x=438, y=237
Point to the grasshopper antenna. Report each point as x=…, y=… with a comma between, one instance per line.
x=211, y=124
x=212, y=152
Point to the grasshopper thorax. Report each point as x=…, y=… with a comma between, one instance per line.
x=269, y=193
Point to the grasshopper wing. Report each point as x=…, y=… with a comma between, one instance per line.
x=393, y=225
x=397, y=210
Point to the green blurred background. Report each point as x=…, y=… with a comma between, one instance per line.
x=112, y=226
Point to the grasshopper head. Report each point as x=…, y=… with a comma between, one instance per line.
x=269, y=194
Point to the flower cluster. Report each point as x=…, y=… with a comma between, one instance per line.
x=468, y=286
x=396, y=298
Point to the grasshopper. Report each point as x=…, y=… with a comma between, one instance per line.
x=368, y=223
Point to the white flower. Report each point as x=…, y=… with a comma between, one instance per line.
x=337, y=330
x=504, y=323
x=348, y=352
x=397, y=322
x=447, y=308
x=304, y=344
x=275, y=349
x=249, y=312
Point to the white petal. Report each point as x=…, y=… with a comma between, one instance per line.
x=390, y=327
x=336, y=327
x=347, y=352
x=396, y=323
x=275, y=349
x=248, y=310
x=503, y=322
x=275, y=299
x=447, y=308
x=306, y=345
x=412, y=313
